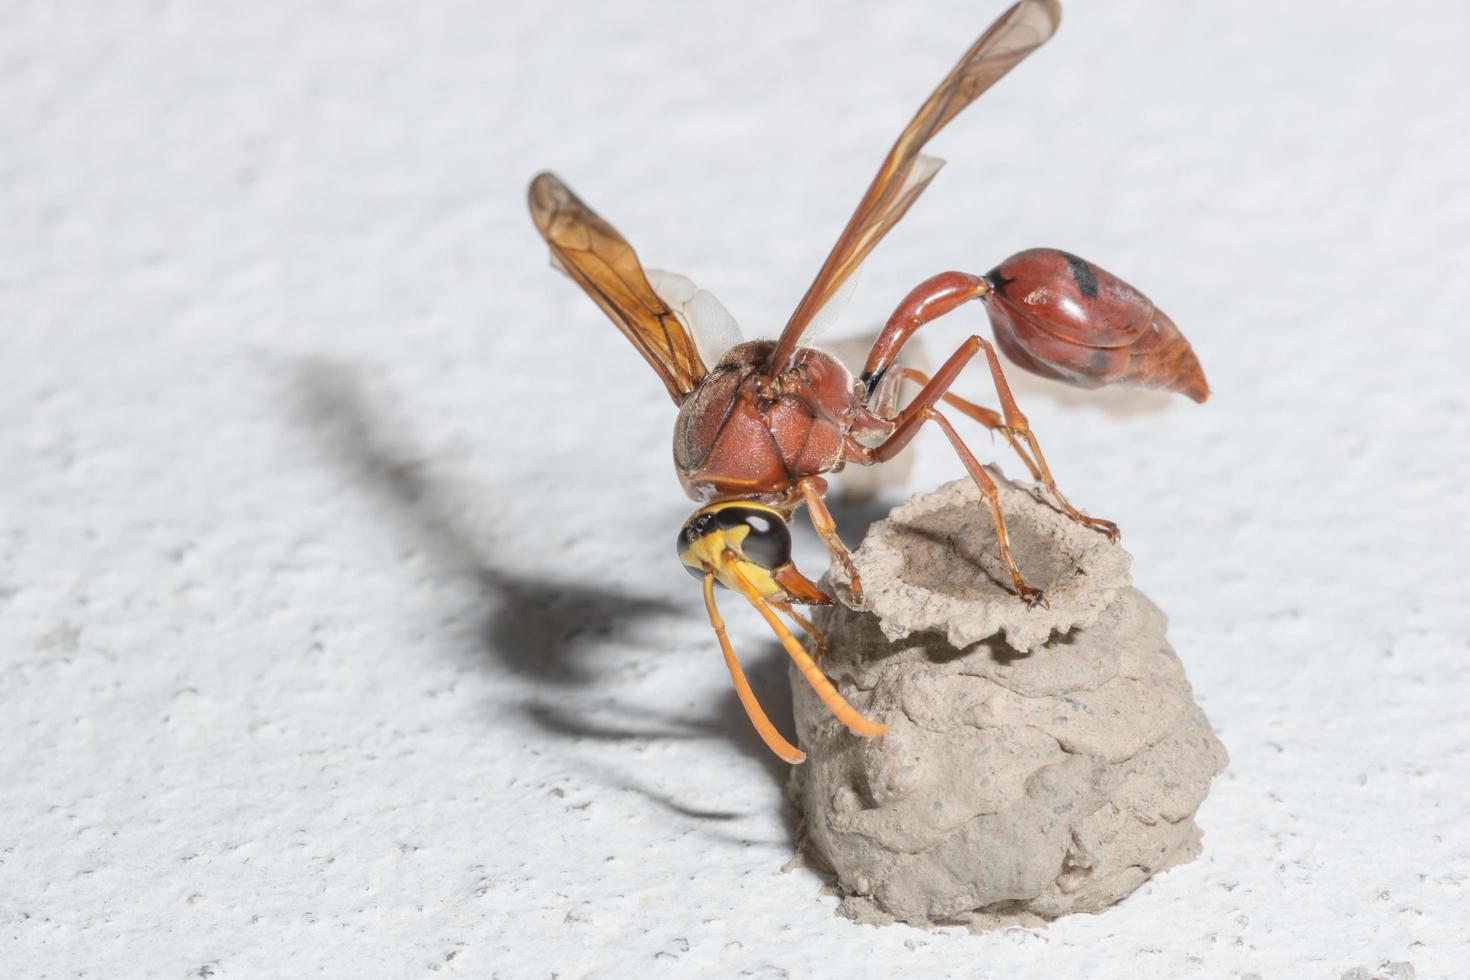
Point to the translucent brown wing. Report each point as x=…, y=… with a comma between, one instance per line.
x=906, y=172
x=602, y=262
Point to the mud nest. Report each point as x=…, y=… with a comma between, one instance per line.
x=1038, y=761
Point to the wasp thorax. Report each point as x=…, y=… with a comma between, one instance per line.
x=757, y=536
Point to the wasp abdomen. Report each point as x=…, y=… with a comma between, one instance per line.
x=1063, y=317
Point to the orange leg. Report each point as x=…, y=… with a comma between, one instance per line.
x=758, y=718
x=1016, y=425
x=931, y=299
x=812, y=488
x=1013, y=424
x=987, y=417
x=834, y=701
x=992, y=497
x=920, y=410
x=1040, y=473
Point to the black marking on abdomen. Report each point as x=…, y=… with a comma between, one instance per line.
x=1082, y=274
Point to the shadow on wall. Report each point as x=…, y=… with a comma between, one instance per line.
x=1117, y=403
x=547, y=630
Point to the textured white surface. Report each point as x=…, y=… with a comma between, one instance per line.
x=326, y=650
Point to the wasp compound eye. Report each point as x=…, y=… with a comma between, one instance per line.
x=693, y=539
x=766, y=541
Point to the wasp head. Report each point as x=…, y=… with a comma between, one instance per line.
x=752, y=539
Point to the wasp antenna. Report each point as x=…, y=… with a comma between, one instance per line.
x=763, y=726
x=846, y=713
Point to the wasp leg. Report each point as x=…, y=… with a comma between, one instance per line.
x=819, y=642
x=1012, y=425
x=992, y=497
x=907, y=425
x=834, y=701
x=812, y=490
x=1017, y=425
x=931, y=299
x=987, y=417
x=763, y=726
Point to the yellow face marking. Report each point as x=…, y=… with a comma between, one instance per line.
x=708, y=552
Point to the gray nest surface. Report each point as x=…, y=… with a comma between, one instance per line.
x=1038, y=761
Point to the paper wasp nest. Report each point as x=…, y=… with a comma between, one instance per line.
x=1038, y=762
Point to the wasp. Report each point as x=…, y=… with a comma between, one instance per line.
x=761, y=422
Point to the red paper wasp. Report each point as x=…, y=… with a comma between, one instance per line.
x=760, y=422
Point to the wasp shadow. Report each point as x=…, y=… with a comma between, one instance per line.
x=542, y=627
x=552, y=631
x=1114, y=402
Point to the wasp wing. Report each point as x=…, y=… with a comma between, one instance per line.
x=906, y=172
x=601, y=261
x=713, y=328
